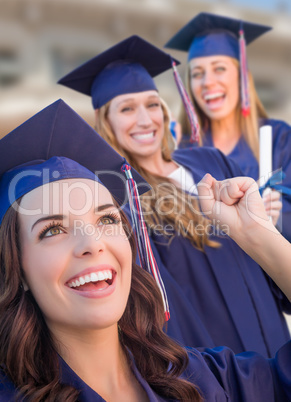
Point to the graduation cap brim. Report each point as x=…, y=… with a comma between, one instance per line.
x=58, y=130
x=134, y=49
x=205, y=23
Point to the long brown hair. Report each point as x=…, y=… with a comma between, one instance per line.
x=28, y=354
x=165, y=203
x=249, y=125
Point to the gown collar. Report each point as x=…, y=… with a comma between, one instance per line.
x=241, y=153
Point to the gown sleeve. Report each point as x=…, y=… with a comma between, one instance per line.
x=247, y=377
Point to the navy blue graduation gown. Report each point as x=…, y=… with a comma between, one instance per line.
x=220, y=296
x=244, y=157
x=220, y=375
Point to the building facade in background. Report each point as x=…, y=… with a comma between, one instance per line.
x=41, y=40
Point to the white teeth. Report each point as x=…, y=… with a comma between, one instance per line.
x=105, y=275
x=93, y=277
x=213, y=96
x=109, y=273
x=101, y=276
x=143, y=136
x=82, y=280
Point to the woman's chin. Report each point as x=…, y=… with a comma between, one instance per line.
x=218, y=114
x=99, y=322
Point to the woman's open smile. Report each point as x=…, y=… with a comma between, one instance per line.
x=94, y=282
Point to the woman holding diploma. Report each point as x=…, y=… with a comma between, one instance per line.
x=217, y=294
x=228, y=108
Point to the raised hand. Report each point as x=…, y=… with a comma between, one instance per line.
x=235, y=203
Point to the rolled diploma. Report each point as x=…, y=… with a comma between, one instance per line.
x=266, y=163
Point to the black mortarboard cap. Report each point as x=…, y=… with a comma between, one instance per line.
x=127, y=67
x=58, y=131
x=209, y=34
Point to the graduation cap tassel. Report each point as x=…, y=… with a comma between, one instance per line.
x=245, y=98
x=187, y=104
x=146, y=256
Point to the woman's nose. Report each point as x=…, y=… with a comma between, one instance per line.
x=143, y=117
x=88, y=241
x=208, y=78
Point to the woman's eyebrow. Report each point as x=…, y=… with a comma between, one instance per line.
x=218, y=61
x=105, y=206
x=213, y=62
x=125, y=101
x=48, y=218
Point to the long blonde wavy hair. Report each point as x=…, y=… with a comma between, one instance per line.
x=249, y=126
x=166, y=206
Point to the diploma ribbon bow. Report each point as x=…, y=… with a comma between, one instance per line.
x=272, y=182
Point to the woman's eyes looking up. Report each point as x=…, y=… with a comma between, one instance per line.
x=56, y=228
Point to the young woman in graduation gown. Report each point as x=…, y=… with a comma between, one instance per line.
x=80, y=321
x=227, y=105
x=217, y=294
